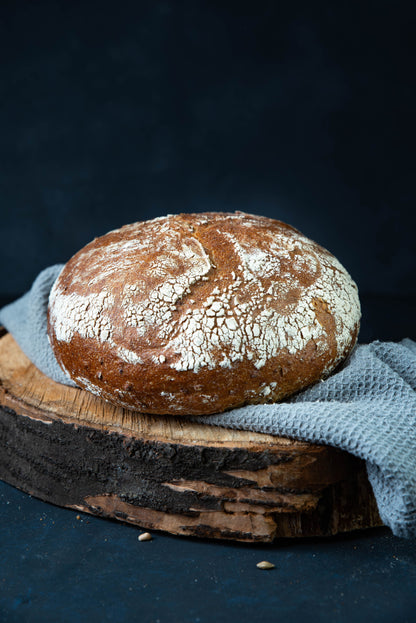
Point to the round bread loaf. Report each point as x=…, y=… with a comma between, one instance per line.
x=197, y=313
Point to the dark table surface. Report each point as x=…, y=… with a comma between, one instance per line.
x=58, y=565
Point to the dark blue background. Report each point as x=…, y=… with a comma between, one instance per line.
x=116, y=112
x=111, y=112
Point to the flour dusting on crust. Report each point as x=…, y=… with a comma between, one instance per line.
x=184, y=293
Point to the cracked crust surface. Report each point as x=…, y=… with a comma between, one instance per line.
x=198, y=313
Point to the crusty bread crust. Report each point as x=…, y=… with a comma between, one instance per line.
x=197, y=313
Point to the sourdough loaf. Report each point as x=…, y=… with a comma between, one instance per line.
x=198, y=313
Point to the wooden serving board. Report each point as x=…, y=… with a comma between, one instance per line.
x=65, y=446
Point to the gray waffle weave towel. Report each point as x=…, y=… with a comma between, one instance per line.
x=367, y=408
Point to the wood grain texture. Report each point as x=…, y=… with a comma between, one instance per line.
x=68, y=447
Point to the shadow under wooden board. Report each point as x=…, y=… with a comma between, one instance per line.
x=68, y=447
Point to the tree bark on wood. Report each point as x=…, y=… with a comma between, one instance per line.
x=68, y=447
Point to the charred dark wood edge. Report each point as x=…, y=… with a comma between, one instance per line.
x=71, y=465
x=101, y=462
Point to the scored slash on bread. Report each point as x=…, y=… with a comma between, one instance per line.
x=194, y=314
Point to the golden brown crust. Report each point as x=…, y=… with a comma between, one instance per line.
x=199, y=313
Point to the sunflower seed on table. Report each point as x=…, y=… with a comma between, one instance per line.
x=265, y=564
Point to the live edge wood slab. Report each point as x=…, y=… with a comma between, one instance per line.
x=65, y=446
